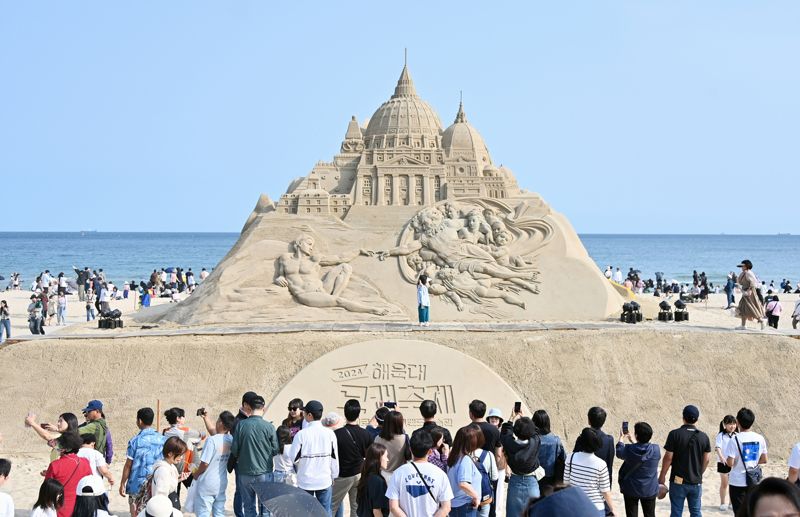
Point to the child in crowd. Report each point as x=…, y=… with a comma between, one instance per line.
x=6, y=502
x=51, y=498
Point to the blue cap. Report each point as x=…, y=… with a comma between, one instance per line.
x=691, y=413
x=93, y=405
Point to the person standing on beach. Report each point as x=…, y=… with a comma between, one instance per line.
x=83, y=277
x=5, y=321
x=61, y=309
x=95, y=424
x=730, y=289
x=745, y=452
x=750, y=304
x=796, y=314
x=618, y=276
x=316, y=454
x=35, y=315
x=423, y=300
x=686, y=456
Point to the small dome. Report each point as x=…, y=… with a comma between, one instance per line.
x=404, y=114
x=461, y=137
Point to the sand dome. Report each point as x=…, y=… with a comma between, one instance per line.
x=461, y=138
x=404, y=115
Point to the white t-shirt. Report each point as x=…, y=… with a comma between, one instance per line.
x=753, y=446
x=215, y=453
x=165, y=478
x=409, y=491
x=43, y=512
x=95, y=459
x=6, y=505
x=721, y=443
x=794, y=457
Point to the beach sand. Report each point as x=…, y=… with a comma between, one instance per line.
x=636, y=373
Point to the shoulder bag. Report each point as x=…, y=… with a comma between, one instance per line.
x=754, y=475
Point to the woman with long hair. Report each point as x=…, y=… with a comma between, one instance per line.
x=51, y=498
x=465, y=478
x=294, y=420
x=727, y=430
x=551, y=451
x=67, y=423
x=750, y=306
x=283, y=466
x=372, y=501
x=393, y=437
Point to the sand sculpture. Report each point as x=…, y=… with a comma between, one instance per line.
x=402, y=371
x=403, y=197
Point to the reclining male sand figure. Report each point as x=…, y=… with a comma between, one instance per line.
x=301, y=272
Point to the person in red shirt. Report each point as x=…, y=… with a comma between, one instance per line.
x=69, y=469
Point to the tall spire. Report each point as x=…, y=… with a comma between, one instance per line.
x=405, y=86
x=460, y=116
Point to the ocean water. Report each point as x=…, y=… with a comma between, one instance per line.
x=132, y=256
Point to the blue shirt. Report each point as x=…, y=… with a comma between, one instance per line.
x=144, y=450
x=550, y=451
x=464, y=471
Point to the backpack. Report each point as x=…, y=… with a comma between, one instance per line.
x=144, y=494
x=486, y=484
x=109, y=446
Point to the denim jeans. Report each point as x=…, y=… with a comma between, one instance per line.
x=5, y=330
x=464, y=511
x=238, y=510
x=90, y=316
x=210, y=505
x=692, y=494
x=520, y=489
x=324, y=498
x=248, y=494
x=61, y=315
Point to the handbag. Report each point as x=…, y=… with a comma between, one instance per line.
x=752, y=476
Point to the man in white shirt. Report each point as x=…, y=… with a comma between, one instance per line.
x=6, y=502
x=618, y=276
x=746, y=451
x=419, y=489
x=609, y=272
x=316, y=456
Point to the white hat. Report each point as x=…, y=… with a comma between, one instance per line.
x=91, y=486
x=160, y=506
x=496, y=413
x=331, y=419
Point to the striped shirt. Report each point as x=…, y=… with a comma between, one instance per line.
x=587, y=471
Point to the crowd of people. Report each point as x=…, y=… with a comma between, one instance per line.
x=758, y=302
x=384, y=468
x=50, y=294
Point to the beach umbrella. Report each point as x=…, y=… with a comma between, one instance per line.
x=287, y=501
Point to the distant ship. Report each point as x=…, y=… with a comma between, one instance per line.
x=780, y=234
x=84, y=232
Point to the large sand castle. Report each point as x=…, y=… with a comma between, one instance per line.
x=404, y=197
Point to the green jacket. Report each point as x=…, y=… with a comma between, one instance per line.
x=254, y=445
x=98, y=429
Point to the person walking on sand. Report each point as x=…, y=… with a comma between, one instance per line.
x=5, y=321
x=796, y=314
x=423, y=301
x=773, y=310
x=750, y=305
x=61, y=309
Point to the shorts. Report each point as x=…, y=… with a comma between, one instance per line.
x=722, y=468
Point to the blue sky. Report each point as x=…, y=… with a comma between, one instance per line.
x=628, y=117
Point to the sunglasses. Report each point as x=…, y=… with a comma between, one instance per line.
x=294, y=408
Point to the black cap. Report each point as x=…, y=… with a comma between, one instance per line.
x=313, y=406
x=691, y=413
x=248, y=397
x=747, y=263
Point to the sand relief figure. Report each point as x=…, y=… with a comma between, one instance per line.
x=473, y=255
x=301, y=272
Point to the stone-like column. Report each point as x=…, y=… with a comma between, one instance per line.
x=357, y=198
x=426, y=190
x=412, y=190
x=395, y=189
x=379, y=195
